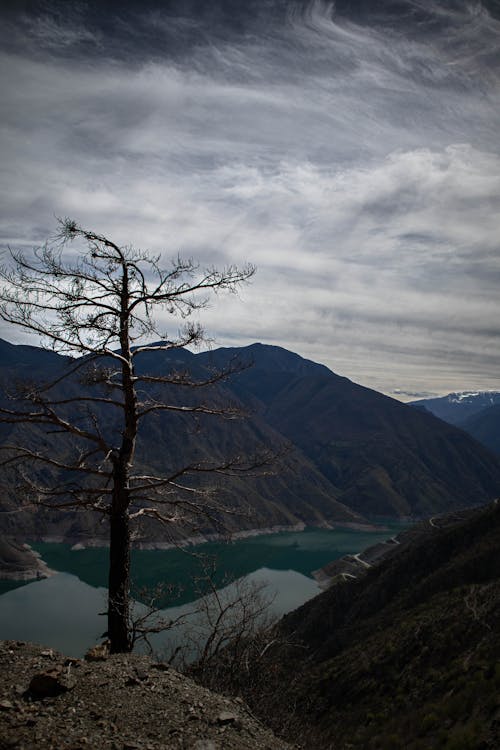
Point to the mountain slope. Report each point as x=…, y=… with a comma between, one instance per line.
x=290, y=491
x=350, y=453
x=455, y=408
x=485, y=427
x=407, y=656
x=382, y=457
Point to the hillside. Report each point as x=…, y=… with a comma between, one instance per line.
x=289, y=491
x=407, y=655
x=485, y=427
x=382, y=457
x=478, y=413
x=342, y=453
x=127, y=702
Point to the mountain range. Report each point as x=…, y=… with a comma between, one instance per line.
x=347, y=453
x=476, y=412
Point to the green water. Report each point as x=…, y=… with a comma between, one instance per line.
x=66, y=611
x=302, y=552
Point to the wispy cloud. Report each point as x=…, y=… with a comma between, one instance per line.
x=355, y=161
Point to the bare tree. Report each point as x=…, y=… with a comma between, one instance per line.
x=223, y=616
x=97, y=306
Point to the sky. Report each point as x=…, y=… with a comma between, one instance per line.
x=351, y=151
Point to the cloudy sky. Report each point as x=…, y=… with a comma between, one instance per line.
x=350, y=150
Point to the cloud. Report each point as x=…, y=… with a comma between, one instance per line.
x=354, y=160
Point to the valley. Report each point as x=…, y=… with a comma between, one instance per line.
x=340, y=454
x=387, y=516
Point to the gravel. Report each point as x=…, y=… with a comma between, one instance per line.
x=121, y=702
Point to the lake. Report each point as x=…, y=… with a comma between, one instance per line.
x=62, y=612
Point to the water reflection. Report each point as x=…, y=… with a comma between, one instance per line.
x=62, y=612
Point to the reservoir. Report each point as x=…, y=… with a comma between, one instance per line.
x=65, y=611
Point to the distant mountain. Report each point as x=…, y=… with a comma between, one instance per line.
x=476, y=412
x=351, y=453
x=455, y=408
x=405, y=656
x=485, y=427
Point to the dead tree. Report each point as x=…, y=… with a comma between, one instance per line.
x=97, y=306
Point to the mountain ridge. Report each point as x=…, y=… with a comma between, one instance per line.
x=352, y=453
x=458, y=406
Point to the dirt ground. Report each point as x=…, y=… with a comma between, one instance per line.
x=123, y=702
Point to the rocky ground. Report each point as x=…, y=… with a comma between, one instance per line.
x=120, y=702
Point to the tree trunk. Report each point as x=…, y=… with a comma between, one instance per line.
x=119, y=543
x=119, y=582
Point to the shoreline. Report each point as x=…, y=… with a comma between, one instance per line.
x=23, y=563
x=194, y=541
x=36, y=568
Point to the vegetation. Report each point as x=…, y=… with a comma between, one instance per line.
x=407, y=656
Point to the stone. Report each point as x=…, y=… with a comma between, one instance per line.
x=50, y=683
x=227, y=717
x=98, y=653
x=6, y=705
x=161, y=666
x=72, y=662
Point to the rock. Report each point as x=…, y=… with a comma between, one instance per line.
x=98, y=653
x=6, y=705
x=204, y=745
x=162, y=666
x=50, y=683
x=131, y=680
x=227, y=717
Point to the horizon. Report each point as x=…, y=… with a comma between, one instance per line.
x=350, y=152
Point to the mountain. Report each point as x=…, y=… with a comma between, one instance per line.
x=405, y=656
x=455, y=408
x=485, y=427
x=347, y=452
x=478, y=413
x=290, y=492
x=382, y=457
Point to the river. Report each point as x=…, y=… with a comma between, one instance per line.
x=62, y=611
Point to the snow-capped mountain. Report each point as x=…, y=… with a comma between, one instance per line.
x=456, y=408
